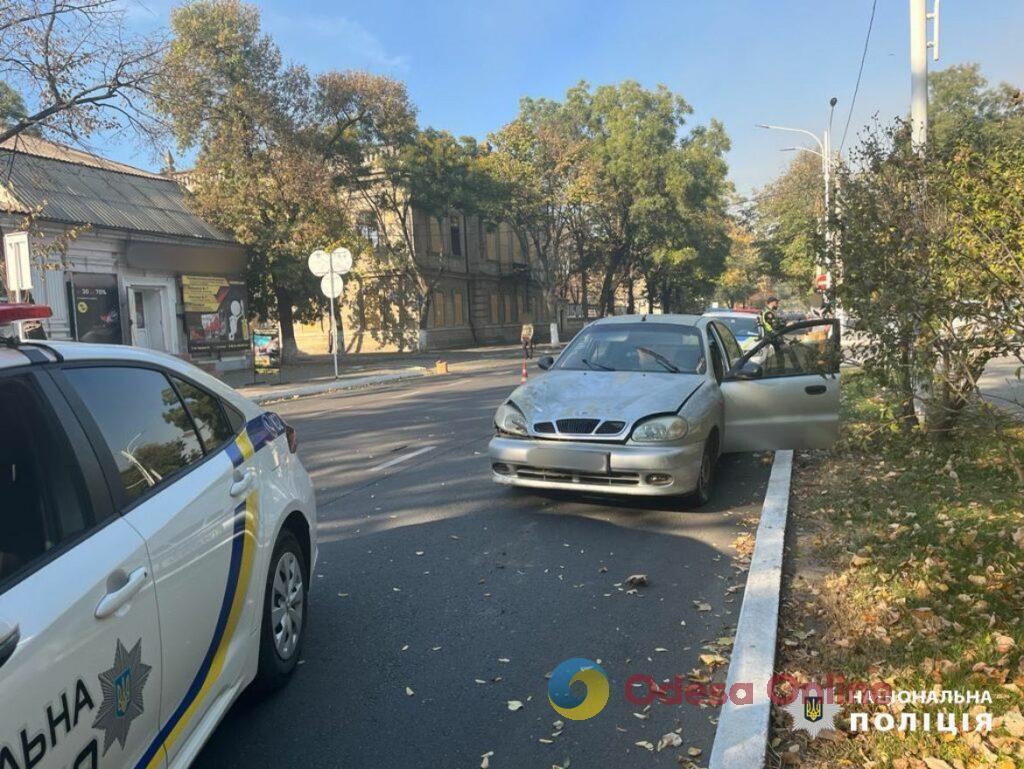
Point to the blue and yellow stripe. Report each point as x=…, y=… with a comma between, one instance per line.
x=258, y=433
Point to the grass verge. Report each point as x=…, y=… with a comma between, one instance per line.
x=904, y=565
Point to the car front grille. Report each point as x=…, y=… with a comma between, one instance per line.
x=610, y=428
x=577, y=426
x=544, y=427
x=613, y=478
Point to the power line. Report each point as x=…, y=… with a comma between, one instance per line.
x=860, y=71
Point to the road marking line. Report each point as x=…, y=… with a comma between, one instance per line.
x=742, y=734
x=403, y=458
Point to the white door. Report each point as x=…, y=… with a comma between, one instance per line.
x=784, y=393
x=172, y=451
x=145, y=306
x=80, y=661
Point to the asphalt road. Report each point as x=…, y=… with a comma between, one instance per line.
x=433, y=578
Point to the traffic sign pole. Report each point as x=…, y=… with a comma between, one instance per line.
x=334, y=328
x=329, y=268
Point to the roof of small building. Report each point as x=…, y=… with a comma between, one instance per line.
x=77, y=187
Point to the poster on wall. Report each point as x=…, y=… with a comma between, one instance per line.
x=214, y=314
x=95, y=307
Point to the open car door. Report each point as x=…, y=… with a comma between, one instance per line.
x=784, y=392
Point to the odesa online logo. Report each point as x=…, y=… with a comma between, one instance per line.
x=574, y=706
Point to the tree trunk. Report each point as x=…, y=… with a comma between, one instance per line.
x=630, y=297
x=286, y=319
x=584, y=303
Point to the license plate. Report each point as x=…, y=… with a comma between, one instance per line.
x=567, y=459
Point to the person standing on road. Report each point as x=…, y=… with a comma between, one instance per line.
x=768, y=318
x=527, y=339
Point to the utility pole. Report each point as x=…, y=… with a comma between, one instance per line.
x=919, y=45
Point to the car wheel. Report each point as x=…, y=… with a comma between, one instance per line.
x=706, y=477
x=283, y=627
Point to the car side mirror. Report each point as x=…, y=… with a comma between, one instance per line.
x=750, y=370
x=546, y=362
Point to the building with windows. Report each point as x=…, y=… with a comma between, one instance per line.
x=118, y=255
x=483, y=289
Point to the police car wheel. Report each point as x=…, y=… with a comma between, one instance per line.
x=284, y=615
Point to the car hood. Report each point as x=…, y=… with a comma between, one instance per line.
x=618, y=395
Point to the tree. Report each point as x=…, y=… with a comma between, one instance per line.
x=12, y=107
x=388, y=168
x=535, y=161
x=933, y=266
x=742, y=273
x=651, y=197
x=263, y=171
x=789, y=214
x=78, y=66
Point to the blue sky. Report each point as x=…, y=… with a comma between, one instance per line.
x=741, y=61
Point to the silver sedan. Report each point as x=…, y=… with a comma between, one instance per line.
x=644, y=405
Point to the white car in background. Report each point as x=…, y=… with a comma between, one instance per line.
x=157, y=534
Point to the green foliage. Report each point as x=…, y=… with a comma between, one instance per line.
x=932, y=264
x=790, y=212
x=262, y=171
x=12, y=106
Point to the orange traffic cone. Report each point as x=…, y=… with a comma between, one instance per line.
x=525, y=376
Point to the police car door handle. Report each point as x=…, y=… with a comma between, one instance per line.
x=243, y=482
x=9, y=637
x=117, y=598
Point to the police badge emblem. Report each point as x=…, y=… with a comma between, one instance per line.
x=813, y=712
x=122, y=687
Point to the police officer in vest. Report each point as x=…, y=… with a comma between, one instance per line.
x=769, y=320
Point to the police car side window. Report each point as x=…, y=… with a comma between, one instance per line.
x=149, y=433
x=207, y=413
x=43, y=498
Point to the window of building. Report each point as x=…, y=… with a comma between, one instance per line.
x=504, y=244
x=455, y=230
x=207, y=414
x=494, y=308
x=438, y=309
x=45, y=502
x=435, y=243
x=146, y=427
x=509, y=309
x=367, y=226
x=459, y=317
x=491, y=251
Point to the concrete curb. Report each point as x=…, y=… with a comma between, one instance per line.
x=320, y=388
x=742, y=736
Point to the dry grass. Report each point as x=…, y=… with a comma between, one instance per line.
x=905, y=565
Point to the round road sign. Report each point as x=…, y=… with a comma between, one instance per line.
x=319, y=262
x=325, y=285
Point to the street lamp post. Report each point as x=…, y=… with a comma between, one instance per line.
x=824, y=151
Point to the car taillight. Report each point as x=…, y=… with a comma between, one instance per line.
x=293, y=438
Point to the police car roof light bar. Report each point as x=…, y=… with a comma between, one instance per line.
x=12, y=313
x=15, y=312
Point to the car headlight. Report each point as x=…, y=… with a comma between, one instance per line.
x=509, y=419
x=660, y=430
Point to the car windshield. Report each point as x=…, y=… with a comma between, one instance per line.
x=656, y=347
x=741, y=327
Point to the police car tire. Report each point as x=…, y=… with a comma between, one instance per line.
x=274, y=672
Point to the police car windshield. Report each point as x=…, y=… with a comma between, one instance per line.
x=653, y=347
x=741, y=327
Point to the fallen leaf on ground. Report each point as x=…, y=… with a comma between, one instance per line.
x=670, y=740
x=515, y=705
x=637, y=580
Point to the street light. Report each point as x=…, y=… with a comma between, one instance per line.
x=824, y=151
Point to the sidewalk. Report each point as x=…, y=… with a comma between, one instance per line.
x=1000, y=386
x=314, y=374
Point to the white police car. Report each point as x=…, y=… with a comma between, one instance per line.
x=157, y=533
